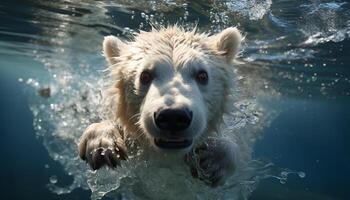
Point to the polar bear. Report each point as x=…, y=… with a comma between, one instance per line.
x=170, y=90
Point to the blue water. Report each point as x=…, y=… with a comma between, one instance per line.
x=301, y=48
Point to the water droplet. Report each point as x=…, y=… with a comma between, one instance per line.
x=143, y=15
x=53, y=179
x=283, y=181
x=301, y=174
x=284, y=175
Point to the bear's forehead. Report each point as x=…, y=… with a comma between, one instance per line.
x=173, y=44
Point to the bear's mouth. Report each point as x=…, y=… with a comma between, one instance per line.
x=173, y=143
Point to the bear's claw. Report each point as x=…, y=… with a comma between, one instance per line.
x=101, y=145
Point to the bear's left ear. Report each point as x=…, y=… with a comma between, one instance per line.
x=226, y=43
x=112, y=47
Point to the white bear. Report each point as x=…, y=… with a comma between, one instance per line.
x=170, y=90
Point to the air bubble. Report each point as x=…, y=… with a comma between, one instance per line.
x=301, y=174
x=284, y=175
x=143, y=15
x=283, y=181
x=53, y=179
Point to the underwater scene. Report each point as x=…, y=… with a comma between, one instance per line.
x=291, y=98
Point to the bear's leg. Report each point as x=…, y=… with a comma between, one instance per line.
x=213, y=161
x=101, y=144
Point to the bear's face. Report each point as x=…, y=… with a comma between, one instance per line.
x=174, y=110
x=172, y=85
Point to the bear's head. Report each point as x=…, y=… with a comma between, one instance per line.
x=170, y=85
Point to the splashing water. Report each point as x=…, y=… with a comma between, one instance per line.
x=254, y=10
x=326, y=22
x=71, y=103
x=71, y=107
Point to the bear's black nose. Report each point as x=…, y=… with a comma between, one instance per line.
x=173, y=119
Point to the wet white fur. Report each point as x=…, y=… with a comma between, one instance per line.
x=173, y=55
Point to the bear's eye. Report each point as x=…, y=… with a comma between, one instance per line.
x=146, y=77
x=202, y=77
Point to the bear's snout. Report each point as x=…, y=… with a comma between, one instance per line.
x=173, y=120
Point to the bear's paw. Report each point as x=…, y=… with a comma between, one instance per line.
x=101, y=144
x=213, y=161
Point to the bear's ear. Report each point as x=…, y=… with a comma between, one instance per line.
x=226, y=43
x=112, y=48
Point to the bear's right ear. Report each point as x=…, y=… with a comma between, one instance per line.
x=226, y=43
x=112, y=48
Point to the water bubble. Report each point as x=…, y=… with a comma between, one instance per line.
x=186, y=14
x=29, y=81
x=101, y=193
x=301, y=174
x=53, y=179
x=143, y=15
x=283, y=180
x=20, y=80
x=284, y=174
x=141, y=25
